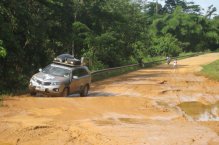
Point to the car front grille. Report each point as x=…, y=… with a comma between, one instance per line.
x=47, y=83
x=43, y=83
x=39, y=82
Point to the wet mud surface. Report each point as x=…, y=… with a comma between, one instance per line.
x=200, y=112
x=155, y=106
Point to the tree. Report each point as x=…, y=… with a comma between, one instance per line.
x=153, y=8
x=187, y=7
x=166, y=45
x=210, y=12
x=187, y=28
x=2, y=50
x=112, y=33
x=79, y=35
x=170, y=5
x=212, y=35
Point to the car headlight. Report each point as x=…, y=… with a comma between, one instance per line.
x=33, y=79
x=55, y=83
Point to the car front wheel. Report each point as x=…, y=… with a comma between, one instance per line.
x=65, y=92
x=32, y=93
x=84, y=91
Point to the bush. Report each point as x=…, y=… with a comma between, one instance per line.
x=166, y=46
x=2, y=50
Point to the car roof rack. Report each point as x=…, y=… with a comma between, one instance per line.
x=66, y=64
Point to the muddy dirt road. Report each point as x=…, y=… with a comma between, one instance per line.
x=156, y=106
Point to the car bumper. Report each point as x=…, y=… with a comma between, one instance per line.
x=55, y=90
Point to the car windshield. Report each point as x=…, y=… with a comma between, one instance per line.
x=56, y=71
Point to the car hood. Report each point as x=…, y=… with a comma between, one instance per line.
x=50, y=78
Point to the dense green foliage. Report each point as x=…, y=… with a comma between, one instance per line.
x=108, y=32
x=112, y=73
x=211, y=70
x=2, y=50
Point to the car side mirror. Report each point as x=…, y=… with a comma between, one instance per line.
x=40, y=69
x=75, y=77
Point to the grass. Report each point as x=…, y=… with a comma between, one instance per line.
x=186, y=53
x=151, y=59
x=211, y=70
x=112, y=73
x=182, y=55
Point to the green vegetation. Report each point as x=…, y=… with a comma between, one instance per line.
x=110, y=33
x=148, y=62
x=2, y=50
x=111, y=73
x=211, y=70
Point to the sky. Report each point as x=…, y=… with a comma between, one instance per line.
x=203, y=3
x=206, y=3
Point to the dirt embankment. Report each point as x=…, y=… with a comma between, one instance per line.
x=156, y=106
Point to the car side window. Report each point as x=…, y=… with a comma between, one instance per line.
x=76, y=72
x=83, y=72
x=80, y=72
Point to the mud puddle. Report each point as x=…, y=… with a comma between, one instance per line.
x=118, y=119
x=196, y=111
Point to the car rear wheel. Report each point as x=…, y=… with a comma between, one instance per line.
x=65, y=92
x=84, y=91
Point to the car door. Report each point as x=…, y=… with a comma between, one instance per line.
x=75, y=81
x=84, y=77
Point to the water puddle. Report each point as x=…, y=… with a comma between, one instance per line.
x=132, y=120
x=106, y=122
x=118, y=119
x=200, y=112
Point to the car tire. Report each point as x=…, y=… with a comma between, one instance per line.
x=65, y=92
x=84, y=91
x=32, y=93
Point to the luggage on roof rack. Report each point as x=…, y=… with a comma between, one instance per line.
x=67, y=59
x=63, y=57
x=74, y=61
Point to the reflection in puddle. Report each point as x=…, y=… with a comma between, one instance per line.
x=108, y=94
x=118, y=121
x=105, y=122
x=97, y=93
x=200, y=112
x=132, y=120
